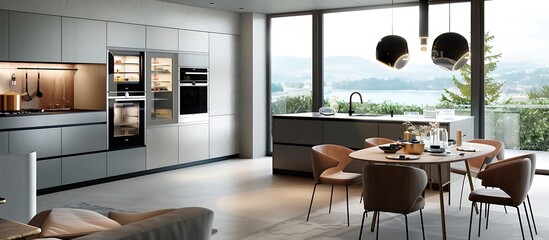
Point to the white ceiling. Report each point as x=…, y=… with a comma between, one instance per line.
x=282, y=6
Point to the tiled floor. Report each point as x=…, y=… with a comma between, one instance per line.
x=243, y=193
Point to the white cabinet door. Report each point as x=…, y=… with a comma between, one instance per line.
x=162, y=38
x=193, y=41
x=193, y=142
x=125, y=35
x=84, y=41
x=34, y=37
x=4, y=35
x=162, y=146
x=223, y=74
x=223, y=136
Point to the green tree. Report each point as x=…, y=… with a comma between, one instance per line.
x=542, y=93
x=492, y=89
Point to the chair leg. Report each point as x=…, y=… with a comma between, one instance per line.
x=377, y=225
x=479, y=219
x=406, y=221
x=311, y=204
x=471, y=220
x=528, y=220
x=362, y=225
x=422, y=228
x=361, y=195
x=505, y=208
x=347, y=197
x=532, y=214
x=331, y=196
x=374, y=219
x=520, y=223
x=461, y=194
x=487, y=214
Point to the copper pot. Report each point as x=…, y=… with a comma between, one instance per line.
x=413, y=148
x=10, y=101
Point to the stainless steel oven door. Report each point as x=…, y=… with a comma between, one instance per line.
x=193, y=98
x=126, y=123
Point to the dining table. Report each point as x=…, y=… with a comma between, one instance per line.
x=452, y=154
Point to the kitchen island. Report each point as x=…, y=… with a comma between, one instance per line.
x=295, y=134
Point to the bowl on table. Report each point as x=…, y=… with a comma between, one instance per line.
x=390, y=148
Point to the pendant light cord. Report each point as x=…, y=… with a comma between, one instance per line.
x=392, y=17
x=449, y=16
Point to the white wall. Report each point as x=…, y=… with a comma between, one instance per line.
x=253, y=86
x=146, y=12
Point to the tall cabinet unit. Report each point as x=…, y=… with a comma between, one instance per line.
x=34, y=37
x=223, y=92
x=84, y=41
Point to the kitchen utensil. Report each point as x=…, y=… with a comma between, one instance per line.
x=38, y=93
x=10, y=100
x=26, y=96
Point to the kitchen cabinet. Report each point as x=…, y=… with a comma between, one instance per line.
x=162, y=38
x=4, y=35
x=223, y=136
x=83, y=167
x=162, y=146
x=125, y=35
x=46, y=142
x=297, y=131
x=162, y=88
x=83, y=41
x=126, y=161
x=48, y=173
x=4, y=142
x=350, y=134
x=193, y=142
x=194, y=60
x=34, y=37
x=81, y=139
x=223, y=74
x=193, y=41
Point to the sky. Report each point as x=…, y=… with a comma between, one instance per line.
x=518, y=29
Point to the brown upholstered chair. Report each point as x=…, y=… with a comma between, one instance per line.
x=477, y=164
x=532, y=157
x=511, y=179
x=328, y=163
x=395, y=189
x=376, y=141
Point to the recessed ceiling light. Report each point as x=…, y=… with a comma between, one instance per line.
x=241, y=9
x=211, y=3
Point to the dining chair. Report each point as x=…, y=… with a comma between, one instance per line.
x=477, y=164
x=376, y=141
x=329, y=160
x=511, y=181
x=532, y=157
x=395, y=189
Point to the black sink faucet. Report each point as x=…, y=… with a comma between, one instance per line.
x=351, y=102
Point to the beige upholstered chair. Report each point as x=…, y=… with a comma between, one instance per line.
x=395, y=189
x=532, y=157
x=477, y=164
x=328, y=163
x=376, y=141
x=512, y=181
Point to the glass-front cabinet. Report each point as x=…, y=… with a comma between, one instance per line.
x=126, y=73
x=162, y=88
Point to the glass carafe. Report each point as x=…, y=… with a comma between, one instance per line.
x=439, y=136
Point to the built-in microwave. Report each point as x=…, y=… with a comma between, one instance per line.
x=193, y=94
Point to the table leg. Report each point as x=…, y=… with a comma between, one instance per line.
x=470, y=178
x=441, y=194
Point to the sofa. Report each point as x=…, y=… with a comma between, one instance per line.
x=192, y=223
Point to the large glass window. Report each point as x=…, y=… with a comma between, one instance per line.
x=517, y=65
x=350, y=40
x=291, y=64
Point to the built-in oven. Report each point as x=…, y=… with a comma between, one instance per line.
x=193, y=94
x=126, y=122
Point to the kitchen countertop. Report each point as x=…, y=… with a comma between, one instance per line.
x=368, y=117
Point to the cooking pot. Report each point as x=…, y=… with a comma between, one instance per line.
x=10, y=101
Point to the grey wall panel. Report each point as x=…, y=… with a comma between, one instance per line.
x=162, y=146
x=35, y=37
x=84, y=167
x=194, y=41
x=125, y=35
x=4, y=142
x=4, y=35
x=81, y=139
x=84, y=41
x=349, y=134
x=46, y=142
x=126, y=161
x=162, y=38
x=296, y=158
x=48, y=173
x=193, y=142
x=297, y=131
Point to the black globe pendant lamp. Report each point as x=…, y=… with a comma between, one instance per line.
x=450, y=50
x=392, y=50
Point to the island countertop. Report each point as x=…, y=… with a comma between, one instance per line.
x=369, y=117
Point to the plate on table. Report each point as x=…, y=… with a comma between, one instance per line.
x=402, y=157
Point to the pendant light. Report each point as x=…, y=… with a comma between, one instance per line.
x=423, y=24
x=392, y=50
x=450, y=50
